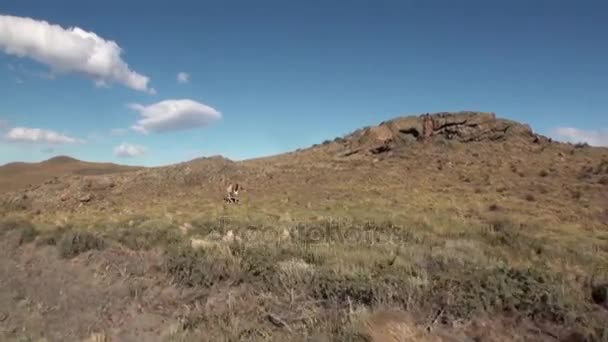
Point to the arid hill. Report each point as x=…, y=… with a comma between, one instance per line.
x=14, y=176
x=438, y=227
x=460, y=160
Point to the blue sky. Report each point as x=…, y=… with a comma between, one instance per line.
x=271, y=76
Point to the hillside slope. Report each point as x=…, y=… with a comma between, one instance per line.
x=442, y=227
x=466, y=162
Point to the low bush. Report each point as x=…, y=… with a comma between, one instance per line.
x=200, y=267
x=73, y=243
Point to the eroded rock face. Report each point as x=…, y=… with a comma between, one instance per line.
x=460, y=126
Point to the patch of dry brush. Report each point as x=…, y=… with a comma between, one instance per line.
x=397, y=284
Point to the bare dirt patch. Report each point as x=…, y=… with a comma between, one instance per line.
x=116, y=292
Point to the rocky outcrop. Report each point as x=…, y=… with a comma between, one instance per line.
x=461, y=126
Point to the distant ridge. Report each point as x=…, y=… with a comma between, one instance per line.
x=54, y=160
x=61, y=160
x=17, y=175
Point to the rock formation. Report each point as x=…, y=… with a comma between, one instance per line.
x=461, y=126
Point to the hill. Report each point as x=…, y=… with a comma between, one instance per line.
x=17, y=175
x=440, y=227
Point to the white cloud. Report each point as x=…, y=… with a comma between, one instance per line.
x=37, y=135
x=183, y=77
x=173, y=115
x=576, y=135
x=118, y=132
x=68, y=50
x=125, y=150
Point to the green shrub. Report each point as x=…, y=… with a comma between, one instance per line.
x=52, y=237
x=527, y=292
x=504, y=232
x=199, y=267
x=26, y=231
x=11, y=224
x=206, y=226
x=27, y=234
x=341, y=288
x=145, y=238
x=74, y=243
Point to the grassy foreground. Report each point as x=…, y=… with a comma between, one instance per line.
x=333, y=279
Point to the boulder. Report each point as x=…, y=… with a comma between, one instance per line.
x=64, y=196
x=85, y=198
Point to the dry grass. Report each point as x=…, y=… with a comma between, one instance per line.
x=335, y=279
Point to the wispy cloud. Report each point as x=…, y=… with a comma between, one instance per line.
x=117, y=132
x=125, y=150
x=576, y=135
x=173, y=115
x=183, y=77
x=96, y=137
x=48, y=150
x=23, y=71
x=68, y=50
x=40, y=136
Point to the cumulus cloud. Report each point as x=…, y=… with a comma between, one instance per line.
x=173, y=115
x=183, y=77
x=576, y=135
x=37, y=135
x=69, y=50
x=125, y=150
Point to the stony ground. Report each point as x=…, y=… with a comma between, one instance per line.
x=447, y=228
